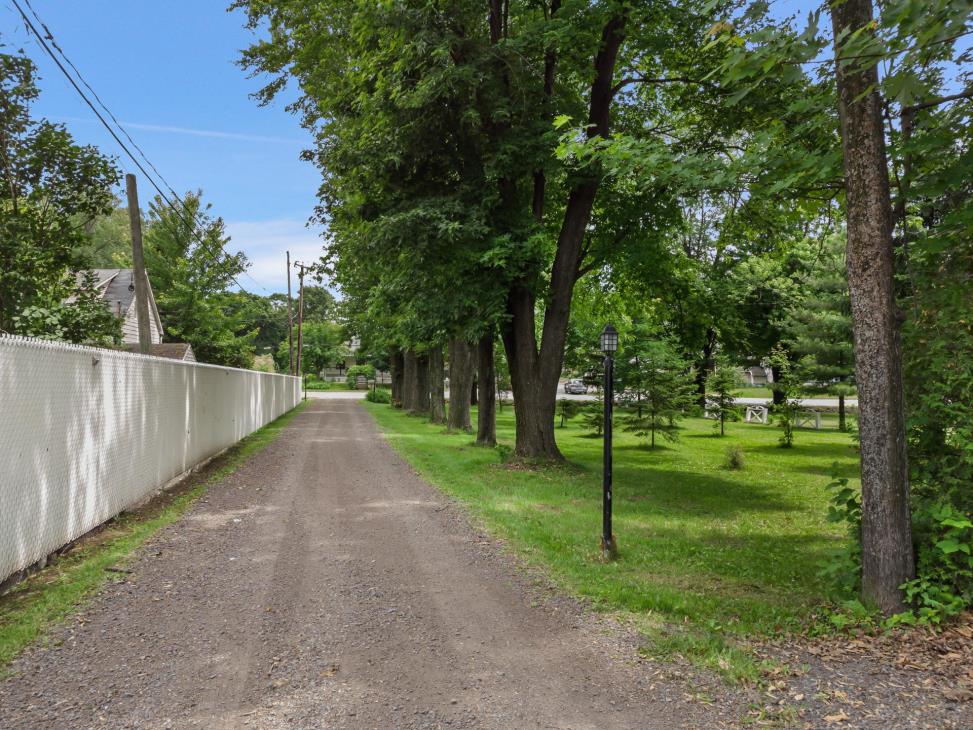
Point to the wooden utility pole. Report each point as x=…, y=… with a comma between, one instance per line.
x=138, y=266
x=290, y=318
x=300, y=314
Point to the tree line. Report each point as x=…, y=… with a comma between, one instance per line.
x=493, y=168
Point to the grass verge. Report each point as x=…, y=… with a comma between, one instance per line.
x=32, y=607
x=709, y=557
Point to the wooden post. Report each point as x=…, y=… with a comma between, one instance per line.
x=290, y=320
x=138, y=266
x=300, y=317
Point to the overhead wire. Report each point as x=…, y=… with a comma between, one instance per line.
x=184, y=207
x=43, y=42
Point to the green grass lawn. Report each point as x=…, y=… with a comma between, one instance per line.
x=32, y=607
x=708, y=556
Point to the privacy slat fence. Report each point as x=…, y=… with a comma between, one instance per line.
x=87, y=432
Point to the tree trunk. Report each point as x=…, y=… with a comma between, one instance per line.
x=534, y=371
x=486, y=414
x=460, y=382
x=409, y=384
x=534, y=397
x=395, y=371
x=842, y=425
x=421, y=405
x=437, y=396
x=777, y=394
x=887, y=557
x=706, y=365
x=474, y=386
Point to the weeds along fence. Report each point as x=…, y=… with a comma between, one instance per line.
x=86, y=433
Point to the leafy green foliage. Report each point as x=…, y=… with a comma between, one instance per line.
x=190, y=274
x=843, y=567
x=360, y=371
x=944, y=584
x=51, y=189
x=378, y=395
x=787, y=387
x=323, y=345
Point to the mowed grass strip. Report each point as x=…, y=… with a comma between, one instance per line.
x=708, y=556
x=32, y=607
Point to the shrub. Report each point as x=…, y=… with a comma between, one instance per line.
x=378, y=395
x=735, y=458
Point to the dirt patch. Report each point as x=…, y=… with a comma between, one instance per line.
x=914, y=678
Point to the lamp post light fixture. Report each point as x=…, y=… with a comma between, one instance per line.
x=609, y=346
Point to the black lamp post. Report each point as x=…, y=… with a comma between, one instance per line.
x=609, y=345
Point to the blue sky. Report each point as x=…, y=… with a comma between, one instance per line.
x=167, y=70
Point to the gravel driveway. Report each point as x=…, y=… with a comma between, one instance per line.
x=325, y=585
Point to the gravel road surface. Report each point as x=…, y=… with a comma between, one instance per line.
x=325, y=585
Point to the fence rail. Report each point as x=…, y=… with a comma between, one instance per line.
x=86, y=433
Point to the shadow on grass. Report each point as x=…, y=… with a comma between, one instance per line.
x=695, y=493
x=803, y=450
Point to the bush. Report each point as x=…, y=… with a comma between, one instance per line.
x=735, y=458
x=379, y=395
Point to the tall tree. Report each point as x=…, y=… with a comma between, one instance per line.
x=50, y=190
x=191, y=275
x=887, y=557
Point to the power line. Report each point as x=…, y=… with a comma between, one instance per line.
x=44, y=45
x=197, y=217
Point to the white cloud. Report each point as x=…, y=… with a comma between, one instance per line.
x=219, y=134
x=266, y=242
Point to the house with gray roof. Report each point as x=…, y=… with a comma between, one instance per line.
x=117, y=289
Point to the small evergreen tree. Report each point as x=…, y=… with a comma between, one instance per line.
x=818, y=329
x=720, y=385
x=660, y=385
x=593, y=417
x=567, y=409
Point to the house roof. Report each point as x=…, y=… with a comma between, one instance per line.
x=117, y=288
x=171, y=350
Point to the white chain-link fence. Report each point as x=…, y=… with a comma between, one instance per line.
x=87, y=432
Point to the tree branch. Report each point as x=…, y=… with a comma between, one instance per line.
x=968, y=94
x=668, y=80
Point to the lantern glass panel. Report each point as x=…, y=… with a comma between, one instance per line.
x=609, y=340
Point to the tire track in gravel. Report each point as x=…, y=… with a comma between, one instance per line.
x=324, y=584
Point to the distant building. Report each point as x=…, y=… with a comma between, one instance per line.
x=117, y=289
x=757, y=375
